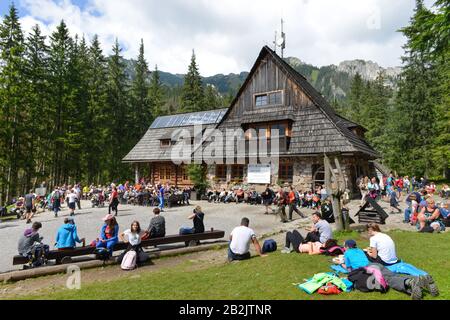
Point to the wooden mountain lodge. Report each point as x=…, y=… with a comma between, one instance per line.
x=273, y=97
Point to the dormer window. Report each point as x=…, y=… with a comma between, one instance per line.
x=165, y=143
x=274, y=98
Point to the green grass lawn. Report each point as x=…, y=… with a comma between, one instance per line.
x=267, y=278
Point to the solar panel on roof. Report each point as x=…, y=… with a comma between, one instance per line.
x=204, y=117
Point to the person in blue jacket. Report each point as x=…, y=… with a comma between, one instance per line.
x=354, y=257
x=67, y=236
x=109, y=234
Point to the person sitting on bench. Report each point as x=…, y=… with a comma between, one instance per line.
x=197, y=218
x=27, y=240
x=133, y=237
x=157, y=227
x=382, y=248
x=318, y=234
x=67, y=237
x=240, y=239
x=109, y=235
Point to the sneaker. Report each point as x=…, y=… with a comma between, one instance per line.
x=427, y=283
x=286, y=250
x=416, y=290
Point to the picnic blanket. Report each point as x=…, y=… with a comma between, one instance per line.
x=401, y=267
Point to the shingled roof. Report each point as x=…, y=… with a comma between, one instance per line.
x=350, y=142
x=317, y=128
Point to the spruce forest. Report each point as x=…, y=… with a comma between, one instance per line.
x=69, y=113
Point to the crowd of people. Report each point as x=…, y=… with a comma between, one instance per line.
x=67, y=237
x=422, y=210
x=112, y=195
x=278, y=201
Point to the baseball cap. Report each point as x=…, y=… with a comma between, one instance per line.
x=350, y=243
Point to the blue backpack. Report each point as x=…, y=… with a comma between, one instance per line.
x=269, y=246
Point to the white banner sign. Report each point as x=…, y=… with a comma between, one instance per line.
x=259, y=173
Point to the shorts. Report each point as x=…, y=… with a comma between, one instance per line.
x=29, y=209
x=72, y=205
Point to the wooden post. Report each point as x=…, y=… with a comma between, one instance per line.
x=335, y=187
x=136, y=173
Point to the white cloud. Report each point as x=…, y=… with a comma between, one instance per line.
x=227, y=35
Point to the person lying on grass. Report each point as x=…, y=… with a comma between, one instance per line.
x=318, y=235
x=240, y=239
x=355, y=259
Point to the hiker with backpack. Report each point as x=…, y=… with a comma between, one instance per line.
x=393, y=200
x=30, y=246
x=30, y=205
x=109, y=234
x=267, y=196
x=133, y=237
x=282, y=201
x=56, y=201
x=293, y=200
x=240, y=239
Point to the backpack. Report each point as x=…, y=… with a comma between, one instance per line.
x=331, y=248
x=129, y=260
x=56, y=195
x=329, y=289
x=269, y=246
x=102, y=254
x=365, y=281
x=38, y=255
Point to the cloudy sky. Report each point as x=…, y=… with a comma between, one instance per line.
x=227, y=35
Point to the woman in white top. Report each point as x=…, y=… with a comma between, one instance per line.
x=133, y=237
x=382, y=248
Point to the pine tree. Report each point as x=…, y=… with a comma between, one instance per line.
x=60, y=50
x=415, y=121
x=354, y=104
x=212, y=99
x=156, y=94
x=142, y=113
x=97, y=119
x=192, y=98
x=38, y=122
x=12, y=94
x=119, y=118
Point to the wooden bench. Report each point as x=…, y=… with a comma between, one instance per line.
x=83, y=251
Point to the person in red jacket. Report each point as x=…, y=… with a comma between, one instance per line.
x=292, y=201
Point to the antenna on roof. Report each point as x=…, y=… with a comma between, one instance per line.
x=280, y=42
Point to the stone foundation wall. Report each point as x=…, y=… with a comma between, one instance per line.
x=303, y=174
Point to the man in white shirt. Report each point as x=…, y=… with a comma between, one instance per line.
x=240, y=239
x=382, y=247
x=72, y=199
